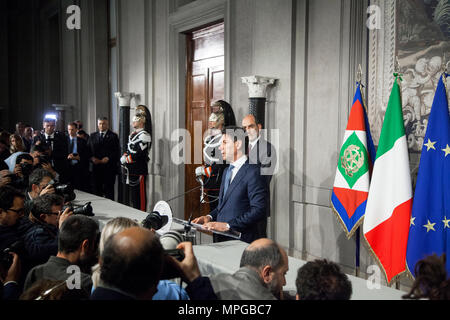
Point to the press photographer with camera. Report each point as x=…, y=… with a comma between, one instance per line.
x=47, y=216
x=41, y=159
x=12, y=224
x=22, y=170
x=77, y=246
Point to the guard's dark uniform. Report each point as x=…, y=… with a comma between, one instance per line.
x=135, y=162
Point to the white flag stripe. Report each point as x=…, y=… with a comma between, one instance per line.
x=387, y=189
x=361, y=185
x=362, y=135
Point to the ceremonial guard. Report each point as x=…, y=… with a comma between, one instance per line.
x=211, y=172
x=135, y=160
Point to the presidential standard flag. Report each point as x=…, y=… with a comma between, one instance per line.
x=351, y=184
x=388, y=211
x=430, y=218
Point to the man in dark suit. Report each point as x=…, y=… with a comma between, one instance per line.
x=261, y=152
x=78, y=160
x=243, y=192
x=56, y=143
x=105, y=154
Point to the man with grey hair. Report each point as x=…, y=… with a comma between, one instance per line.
x=261, y=276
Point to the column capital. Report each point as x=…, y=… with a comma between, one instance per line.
x=257, y=85
x=124, y=98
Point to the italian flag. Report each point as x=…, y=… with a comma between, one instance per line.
x=387, y=219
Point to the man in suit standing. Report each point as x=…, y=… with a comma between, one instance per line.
x=105, y=154
x=56, y=143
x=261, y=152
x=243, y=192
x=78, y=159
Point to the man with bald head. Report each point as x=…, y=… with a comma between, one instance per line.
x=261, y=276
x=130, y=266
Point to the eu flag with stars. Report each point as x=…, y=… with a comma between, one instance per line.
x=430, y=219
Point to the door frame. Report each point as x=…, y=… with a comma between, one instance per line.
x=181, y=21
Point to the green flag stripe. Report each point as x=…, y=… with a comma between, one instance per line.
x=393, y=127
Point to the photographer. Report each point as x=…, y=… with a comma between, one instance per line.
x=41, y=159
x=38, y=185
x=41, y=240
x=22, y=170
x=12, y=225
x=77, y=246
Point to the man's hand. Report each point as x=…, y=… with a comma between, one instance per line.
x=49, y=168
x=49, y=189
x=189, y=265
x=105, y=160
x=73, y=157
x=216, y=226
x=4, y=173
x=202, y=220
x=95, y=160
x=18, y=170
x=64, y=215
x=4, y=181
x=14, y=270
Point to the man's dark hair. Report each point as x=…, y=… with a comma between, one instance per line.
x=75, y=230
x=258, y=257
x=25, y=156
x=37, y=176
x=7, y=195
x=73, y=124
x=238, y=134
x=322, y=280
x=102, y=119
x=38, y=148
x=133, y=273
x=43, y=204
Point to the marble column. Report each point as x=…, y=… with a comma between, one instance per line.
x=258, y=87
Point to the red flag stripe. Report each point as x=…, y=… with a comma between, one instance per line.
x=350, y=199
x=356, y=119
x=389, y=239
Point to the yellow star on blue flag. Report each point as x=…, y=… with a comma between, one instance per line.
x=429, y=234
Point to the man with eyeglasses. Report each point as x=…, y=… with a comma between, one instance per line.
x=47, y=215
x=11, y=212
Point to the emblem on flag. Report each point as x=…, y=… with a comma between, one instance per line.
x=351, y=185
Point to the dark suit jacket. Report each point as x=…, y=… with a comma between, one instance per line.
x=244, y=205
x=264, y=154
x=109, y=147
x=82, y=150
x=59, y=152
x=101, y=293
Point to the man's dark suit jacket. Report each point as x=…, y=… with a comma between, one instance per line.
x=79, y=173
x=244, y=205
x=59, y=152
x=109, y=147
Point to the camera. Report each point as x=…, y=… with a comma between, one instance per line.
x=65, y=190
x=26, y=169
x=85, y=210
x=6, y=259
x=155, y=221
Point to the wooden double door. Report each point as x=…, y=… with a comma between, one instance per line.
x=205, y=84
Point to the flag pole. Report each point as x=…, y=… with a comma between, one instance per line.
x=357, y=234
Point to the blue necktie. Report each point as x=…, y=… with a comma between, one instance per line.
x=228, y=179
